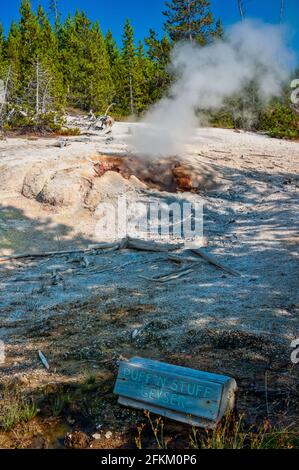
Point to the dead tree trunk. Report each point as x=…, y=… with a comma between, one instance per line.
x=241, y=9
x=3, y=103
x=5, y=92
x=55, y=8
x=45, y=97
x=281, y=16
x=54, y=11
x=189, y=22
x=37, y=89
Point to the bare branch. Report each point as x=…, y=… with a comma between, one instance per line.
x=241, y=9
x=282, y=8
x=4, y=97
x=54, y=10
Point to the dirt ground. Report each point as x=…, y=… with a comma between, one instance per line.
x=87, y=312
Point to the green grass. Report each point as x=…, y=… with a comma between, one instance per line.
x=58, y=403
x=231, y=433
x=89, y=383
x=15, y=409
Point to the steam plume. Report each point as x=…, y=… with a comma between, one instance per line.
x=207, y=75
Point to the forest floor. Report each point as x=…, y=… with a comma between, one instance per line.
x=87, y=312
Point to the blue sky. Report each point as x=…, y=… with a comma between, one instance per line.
x=148, y=13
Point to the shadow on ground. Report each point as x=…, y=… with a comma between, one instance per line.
x=86, y=312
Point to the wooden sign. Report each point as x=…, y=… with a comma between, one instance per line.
x=186, y=395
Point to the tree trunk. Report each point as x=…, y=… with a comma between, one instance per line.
x=37, y=89
x=131, y=94
x=3, y=104
x=56, y=12
x=281, y=11
x=241, y=10
x=189, y=22
x=44, y=100
x=5, y=91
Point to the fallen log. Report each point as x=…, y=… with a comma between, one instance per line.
x=144, y=245
x=181, y=259
x=136, y=244
x=131, y=243
x=212, y=260
x=45, y=254
x=175, y=275
x=221, y=151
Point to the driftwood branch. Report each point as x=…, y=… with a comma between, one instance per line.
x=136, y=244
x=212, y=260
x=181, y=259
x=46, y=254
x=175, y=275
x=144, y=245
x=108, y=109
x=241, y=9
x=207, y=257
x=281, y=14
x=132, y=243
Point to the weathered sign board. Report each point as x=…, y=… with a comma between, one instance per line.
x=186, y=395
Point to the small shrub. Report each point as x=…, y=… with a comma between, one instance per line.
x=222, y=119
x=68, y=132
x=89, y=383
x=58, y=403
x=280, y=121
x=48, y=122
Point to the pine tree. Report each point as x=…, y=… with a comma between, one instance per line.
x=29, y=53
x=190, y=20
x=85, y=64
x=14, y=46
x=41, y=81
x=3, y=52
x=5, y=74
x=130, y=72
x=48, y=58
x=39, y=95
x=101, y=84
x=116, y=72
x=14, y=43
x=143, y=74
x=33, y=58
x=218, y=33
x=111, y=47
x=158, y=52
x=73, y=44
x=129, y=68
x=2, y=43
x=54, y=12
x=29, y=29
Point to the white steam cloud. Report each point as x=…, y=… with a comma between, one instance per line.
x=208, y=75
